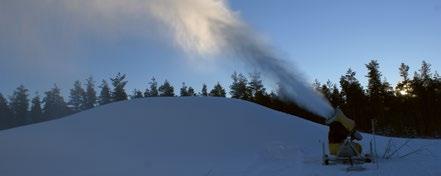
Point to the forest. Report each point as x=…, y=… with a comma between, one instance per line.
x=411, y=108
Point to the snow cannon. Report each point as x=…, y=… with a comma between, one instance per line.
x=341, y=138
x=340, y=128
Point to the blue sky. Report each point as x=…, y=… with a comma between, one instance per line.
x=324, y=38
x=42, y=45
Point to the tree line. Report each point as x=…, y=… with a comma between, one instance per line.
x=18, y=109
x=411, y=108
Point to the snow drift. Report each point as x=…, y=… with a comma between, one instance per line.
x=184, y=136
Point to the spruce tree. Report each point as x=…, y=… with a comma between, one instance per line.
x=217, y=91
x=204, y=91
x=153, y=90
x=317, y=85
x=256, y=88
x=374, y=79
x=119, y=93
x=239, y=88
x=355, y=100
x=191, y=91
x=424, y=94
x=36, y=111
x=5, y=113
x=375, y=90
x=336, y=97
x=404, y=71
x=325, y=89
x=137, y=94
x=437, y=99
x=184, y=90
x=403, y=106
x=403, y=87
x=89, y=99
x=76, y=97
x=255, y=85
x=20, y=105
x=105, y=95
x=54, y=104
x=425, y=73
x=166, y=90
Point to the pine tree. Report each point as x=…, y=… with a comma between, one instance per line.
x=437, y=99
x=256, y=88
x=255, y=85
x=36, y=111
x=119, y=93
x=425, y=73
x=336, y=97
x=153, y=90
x=54, y=104
x=137, y=94
x=76, y=97
x=355, y=100
x=316, y=85
x=166, y=90
x=89, y=99
x=325, y=89
x=204, y=91
x=403, y=87
x=424, y=94
x=105, y=95
x=404, y=71
x=239, y=88
x=403, y=106
x=191, y=91
x=5, y=113
x=218, y=91
x=374, y=75
x=184, y=90
x=389, y=101
x=375, y=90
x=20, y=105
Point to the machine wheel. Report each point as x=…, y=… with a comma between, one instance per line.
x=325, y=160
x=367, y=158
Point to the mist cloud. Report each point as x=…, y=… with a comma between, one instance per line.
x=207, y=28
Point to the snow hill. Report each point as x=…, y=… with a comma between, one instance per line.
x=195, y=136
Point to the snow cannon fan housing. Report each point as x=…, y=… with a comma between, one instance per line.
x=339, y=116
x=340, y=128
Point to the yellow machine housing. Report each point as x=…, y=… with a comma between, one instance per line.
x=349, y=124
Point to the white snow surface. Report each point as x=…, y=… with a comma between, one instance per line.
x=194, y=136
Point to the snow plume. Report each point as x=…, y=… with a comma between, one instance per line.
x=209, y=27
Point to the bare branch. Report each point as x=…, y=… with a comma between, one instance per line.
x=419, y=149
x=398, y=149
x=388, y=148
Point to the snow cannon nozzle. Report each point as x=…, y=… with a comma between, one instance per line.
x=332, y=118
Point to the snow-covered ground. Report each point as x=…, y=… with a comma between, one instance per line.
x=192, y=136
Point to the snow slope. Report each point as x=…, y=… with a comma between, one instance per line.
x=195, y=136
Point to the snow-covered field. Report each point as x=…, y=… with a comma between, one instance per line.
x=189, y=137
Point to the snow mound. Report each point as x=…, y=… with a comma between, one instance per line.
x=185, y=136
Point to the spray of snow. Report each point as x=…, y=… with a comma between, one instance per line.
x=209, y=27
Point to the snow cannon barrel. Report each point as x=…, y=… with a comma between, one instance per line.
x=339, y=116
